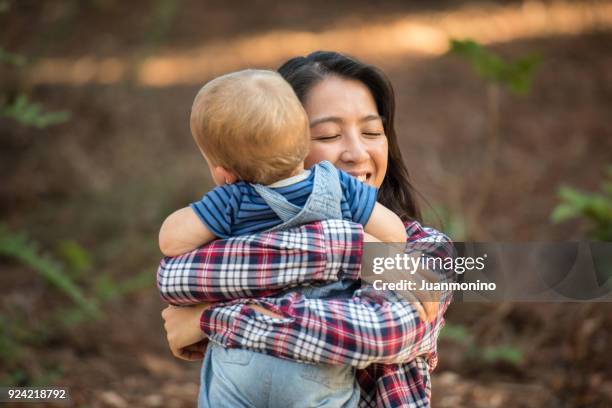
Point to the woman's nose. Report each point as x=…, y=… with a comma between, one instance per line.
x=355, y=151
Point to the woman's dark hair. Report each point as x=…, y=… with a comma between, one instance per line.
x=303, y=73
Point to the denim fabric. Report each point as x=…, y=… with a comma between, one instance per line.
x=243, y=378
x=322, y=204
x=234, y=378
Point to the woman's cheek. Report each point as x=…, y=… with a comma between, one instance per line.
x=320, y=151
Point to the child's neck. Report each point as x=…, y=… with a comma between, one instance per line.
x=299, y=169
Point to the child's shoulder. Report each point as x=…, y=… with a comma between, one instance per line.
x=234, y=191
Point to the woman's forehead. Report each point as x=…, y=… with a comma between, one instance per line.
x=336, y=97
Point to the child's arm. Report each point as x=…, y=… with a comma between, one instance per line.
x=182, y=232
x=385, y=225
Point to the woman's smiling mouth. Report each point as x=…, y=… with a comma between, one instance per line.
x=362, y=176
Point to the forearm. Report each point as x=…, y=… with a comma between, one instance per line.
x=373, y=326
x=319, y=252
x=356, y=331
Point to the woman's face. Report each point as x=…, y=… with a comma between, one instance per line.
x=346, y=129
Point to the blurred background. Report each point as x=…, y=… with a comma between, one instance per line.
x=504, y=121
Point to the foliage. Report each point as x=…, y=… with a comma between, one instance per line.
x=162, y=17
x=456, y=333
x=69, y=273
x=499, y=73
x=514, y=75
x=9, y=347
x=21, y=109
x=594, y=207
x=505, y=353
x=17, y=246
x=31, y=114
x=451, y=223
x=10, y=58
x=75, y=258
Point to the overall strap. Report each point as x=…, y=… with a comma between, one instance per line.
x=279, y=204
x=323, y=203
x=326, y=191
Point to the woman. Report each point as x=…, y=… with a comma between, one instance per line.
x=392, y=340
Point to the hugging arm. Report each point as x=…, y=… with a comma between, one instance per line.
x=262, y=264
x=182, y=232
x=367, y=328
x=371, y=327
x=385, y=225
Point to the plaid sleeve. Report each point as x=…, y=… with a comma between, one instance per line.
x=434, y=244
x=358, y=331
x=406, y=385
x=334, y=331
x=262, y=264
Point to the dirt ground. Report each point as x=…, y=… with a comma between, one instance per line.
x=125, y=159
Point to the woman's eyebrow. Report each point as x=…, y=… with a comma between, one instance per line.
x=370, y=117
x=336, y=119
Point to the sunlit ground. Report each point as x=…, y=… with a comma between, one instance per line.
x=420, y=35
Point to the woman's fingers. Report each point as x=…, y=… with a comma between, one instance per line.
x=195, y=351
x=182, y=326
x=265, y=311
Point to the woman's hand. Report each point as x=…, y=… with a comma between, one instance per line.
x=427, y=303
x=185, y=338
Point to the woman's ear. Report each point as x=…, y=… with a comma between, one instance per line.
x=223, y=176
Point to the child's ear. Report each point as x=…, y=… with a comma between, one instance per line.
x=223, y=176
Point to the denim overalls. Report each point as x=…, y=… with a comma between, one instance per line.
x=235, y=378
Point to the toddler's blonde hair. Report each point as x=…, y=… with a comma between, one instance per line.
x=251, y=123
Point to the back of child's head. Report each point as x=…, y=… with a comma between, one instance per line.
x=251, y=123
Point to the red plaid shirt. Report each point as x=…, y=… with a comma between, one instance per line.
x=379, y=333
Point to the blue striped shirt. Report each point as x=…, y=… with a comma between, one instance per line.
x=237, y=209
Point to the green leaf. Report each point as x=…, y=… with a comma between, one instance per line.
x=135, y=283
x=74, y=256
x=105, y=287
x=31, y=114
x=593, y=207
x=10, y=58
x=455, y=332
x=564, y=212
x=505, y=353
x=516, y=76
x=17, y=246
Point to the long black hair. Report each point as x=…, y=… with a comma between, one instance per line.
x=303, y=73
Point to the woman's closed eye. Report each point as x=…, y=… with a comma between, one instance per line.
x=373, y=133
x=324, y=138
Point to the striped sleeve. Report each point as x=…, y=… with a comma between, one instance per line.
x=359, y=197
x=218, y=208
